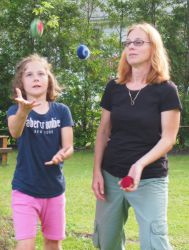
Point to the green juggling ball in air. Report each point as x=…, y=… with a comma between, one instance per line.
x=36, y=28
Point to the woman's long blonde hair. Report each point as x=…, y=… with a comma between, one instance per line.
x=53, y=86
x=159, y=59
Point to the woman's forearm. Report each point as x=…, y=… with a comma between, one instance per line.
x=100, y=145
x=160, y=149
x=170, y=121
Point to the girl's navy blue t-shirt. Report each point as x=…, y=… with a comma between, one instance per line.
x=39, y=142
x=136, y=129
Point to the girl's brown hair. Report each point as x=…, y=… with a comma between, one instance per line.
x=53, y=86
x=159, y=59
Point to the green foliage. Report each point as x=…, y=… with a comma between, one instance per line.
x=84, y=84
x=43, y=8
x=172, y=20
x=3, y=120
x=70, y=23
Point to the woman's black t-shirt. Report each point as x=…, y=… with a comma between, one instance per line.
x=136, y=129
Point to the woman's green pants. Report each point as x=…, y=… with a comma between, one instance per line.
x=149, y=202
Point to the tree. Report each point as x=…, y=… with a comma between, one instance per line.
x=67, y=24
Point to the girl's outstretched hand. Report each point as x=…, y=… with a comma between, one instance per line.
x=24, y=104
x=59, y=157
x=63, y=154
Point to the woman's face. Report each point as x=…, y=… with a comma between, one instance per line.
x=139, y=52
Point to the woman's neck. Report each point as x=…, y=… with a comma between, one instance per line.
x=139, y=77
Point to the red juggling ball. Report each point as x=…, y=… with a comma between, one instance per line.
x=126, y=182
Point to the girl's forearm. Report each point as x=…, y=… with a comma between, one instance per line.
x=67, y=151
x=16, y=123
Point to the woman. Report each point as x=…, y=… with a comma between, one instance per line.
x=139, y=124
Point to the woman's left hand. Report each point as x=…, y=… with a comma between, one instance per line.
x=135, y=172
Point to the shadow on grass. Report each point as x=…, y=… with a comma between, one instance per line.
x=7, y=241
x=80, y=235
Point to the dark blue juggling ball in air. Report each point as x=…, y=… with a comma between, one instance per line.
x=83, y=52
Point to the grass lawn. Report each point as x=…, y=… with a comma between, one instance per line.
x=81, y=205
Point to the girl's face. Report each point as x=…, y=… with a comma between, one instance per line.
x=35, y=80
x=138, y=48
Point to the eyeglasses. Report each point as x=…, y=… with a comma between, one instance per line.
x=136, y=43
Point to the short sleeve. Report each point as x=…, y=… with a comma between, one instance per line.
x=12, y=110
x=66, y=117
x=169, y=97
x=106, y=101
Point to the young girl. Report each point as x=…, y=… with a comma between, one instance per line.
x=43, y=129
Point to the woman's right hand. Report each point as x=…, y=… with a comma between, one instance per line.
x=25, y=106
x=98, y=186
